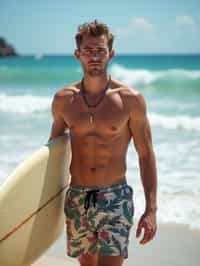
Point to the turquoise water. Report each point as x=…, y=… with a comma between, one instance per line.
x=171, y=87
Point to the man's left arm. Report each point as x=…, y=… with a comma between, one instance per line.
x=140, y=129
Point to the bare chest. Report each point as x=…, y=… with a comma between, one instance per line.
x=107, y=118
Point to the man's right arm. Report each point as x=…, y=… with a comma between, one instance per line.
x=59, y=125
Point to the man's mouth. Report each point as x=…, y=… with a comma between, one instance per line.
x=94, y=63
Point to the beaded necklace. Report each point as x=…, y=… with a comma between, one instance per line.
x=91, y=115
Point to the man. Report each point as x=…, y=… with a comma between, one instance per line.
x=103, y=115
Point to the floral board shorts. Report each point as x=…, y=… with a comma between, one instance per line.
x=99, y=219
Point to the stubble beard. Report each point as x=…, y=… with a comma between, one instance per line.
x=94, y=72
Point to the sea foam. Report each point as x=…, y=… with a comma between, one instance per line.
x=146, y=77
x=24, y=104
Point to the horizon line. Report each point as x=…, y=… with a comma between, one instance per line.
x=118, y=54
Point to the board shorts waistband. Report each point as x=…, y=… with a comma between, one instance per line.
x=107, y=188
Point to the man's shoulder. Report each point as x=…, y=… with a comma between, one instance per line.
x=132, y=98
x=125, y=90
x=67, y=91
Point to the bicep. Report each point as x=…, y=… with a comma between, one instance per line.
x=140, y=128
x=59, y=124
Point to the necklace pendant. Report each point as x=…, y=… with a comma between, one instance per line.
x=91, y=118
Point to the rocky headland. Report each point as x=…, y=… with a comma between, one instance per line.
x=6, y=49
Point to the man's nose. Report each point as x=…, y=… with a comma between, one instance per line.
x=95, y=54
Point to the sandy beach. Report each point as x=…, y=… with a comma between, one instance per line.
x=174, y=245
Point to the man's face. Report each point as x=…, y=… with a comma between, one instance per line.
x=94, y=55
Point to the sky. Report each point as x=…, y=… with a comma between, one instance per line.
x=140, y=27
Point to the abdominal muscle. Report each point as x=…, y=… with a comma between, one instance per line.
x=97, y=161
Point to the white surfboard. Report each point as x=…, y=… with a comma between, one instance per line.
x=32, y=203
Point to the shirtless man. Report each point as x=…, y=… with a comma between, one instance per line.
x=102, y=116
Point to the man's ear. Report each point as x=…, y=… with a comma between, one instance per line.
x=77, y=53
x=112, y=53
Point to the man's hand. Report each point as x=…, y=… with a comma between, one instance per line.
x=148, y=223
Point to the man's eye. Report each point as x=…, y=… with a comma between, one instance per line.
x=86, y=51
x=102, y=51
x=91, y=52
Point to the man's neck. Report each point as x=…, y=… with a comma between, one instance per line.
x=95, y=85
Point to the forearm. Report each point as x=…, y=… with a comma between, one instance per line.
x=149, y=180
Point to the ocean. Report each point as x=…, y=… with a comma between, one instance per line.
x=171, y=87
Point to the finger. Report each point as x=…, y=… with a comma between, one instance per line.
x=145, y=239
x=139, y=229
x=138, y=232
x=153, y=234
x=147, y=235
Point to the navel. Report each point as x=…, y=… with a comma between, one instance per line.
x=93, y=169
x=113, y=128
